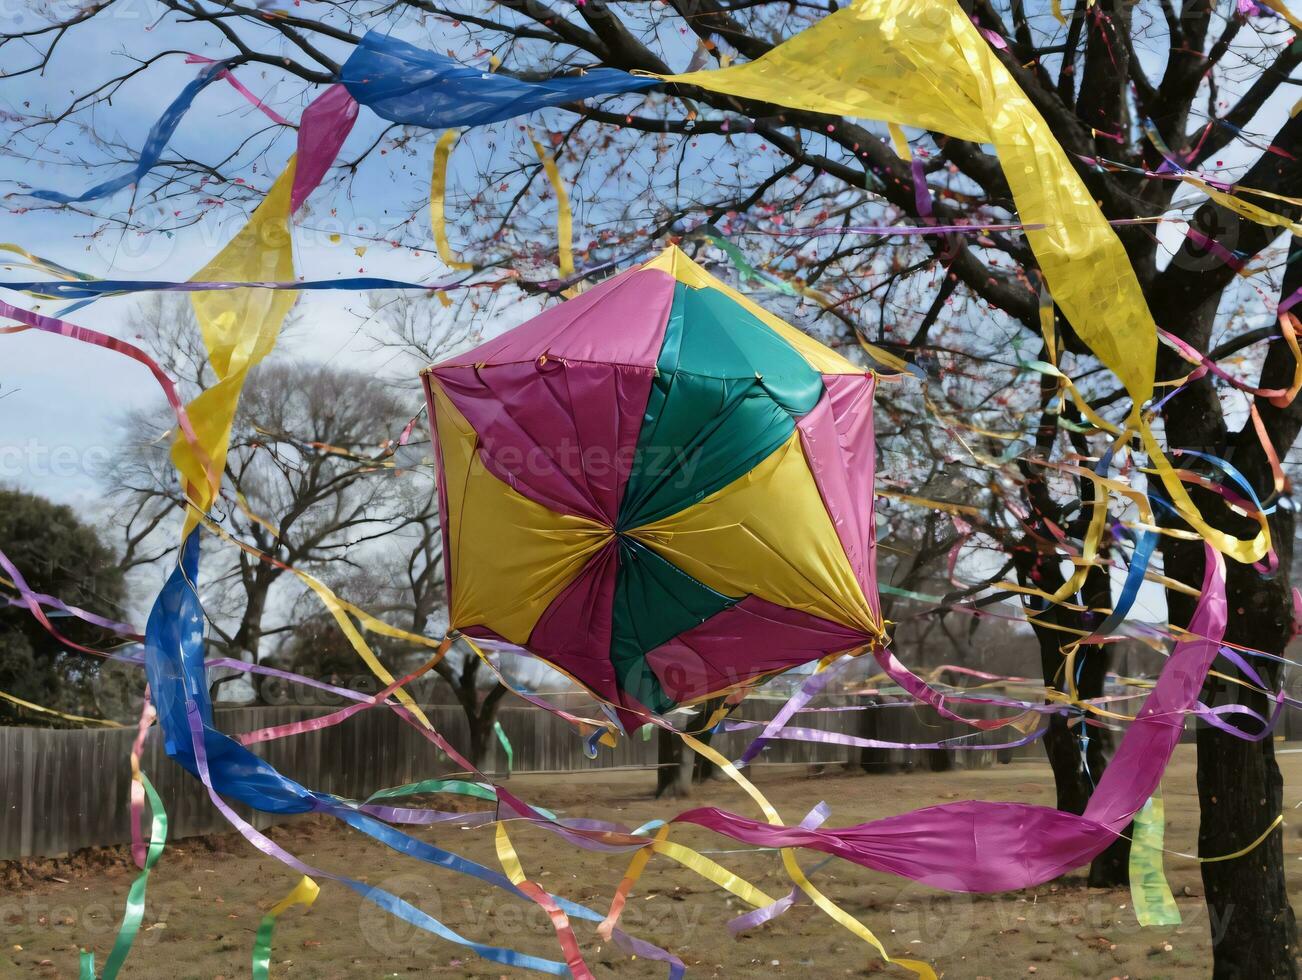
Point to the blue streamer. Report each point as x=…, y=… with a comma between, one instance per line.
x=96, y=288
x=405, y=84
x=1238, y=479
x=159, y=136
x=174, y=662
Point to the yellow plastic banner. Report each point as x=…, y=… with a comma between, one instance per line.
x=925, y=65
x=239, y=328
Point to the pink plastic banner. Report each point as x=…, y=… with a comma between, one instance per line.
x=977, y=846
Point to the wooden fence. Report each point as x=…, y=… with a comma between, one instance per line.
x=61, y=790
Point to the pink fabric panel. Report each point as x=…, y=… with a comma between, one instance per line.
x=753, y=637
x=837, y=437
x=573, y=633
x=622, y=321
x=977, y=846
x=562, y=434
x=325, y=125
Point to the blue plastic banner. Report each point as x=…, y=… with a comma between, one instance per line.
x=405, y=84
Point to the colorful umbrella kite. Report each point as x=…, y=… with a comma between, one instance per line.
x=659, y=488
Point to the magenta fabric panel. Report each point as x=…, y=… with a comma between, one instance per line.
x=325, y=125
x=977, y=846
x=744, y=641
x=561, y=433
x=573, y=633
x=837, y=437
x=622, y=321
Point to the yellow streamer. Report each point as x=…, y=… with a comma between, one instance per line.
x=1283, y=11
x=564, y=219
x=14, y=699
x=437, y=195
x=900, y=140
x=239, y=328
x=1242, y=850
x=925, y=65
x=838, y=914
x=304, y=893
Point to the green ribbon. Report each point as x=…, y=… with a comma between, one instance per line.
x=1149, y=891
x=461, y=787
x=135, y=910
x=506, y=746
x=742, y=264
x=304, y=893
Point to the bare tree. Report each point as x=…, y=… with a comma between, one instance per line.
x=1118, y=82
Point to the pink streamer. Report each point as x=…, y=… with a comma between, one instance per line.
x=977, y=846
x=266, y=110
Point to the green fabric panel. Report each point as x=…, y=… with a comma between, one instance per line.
x=726, y=394
x=654, y=602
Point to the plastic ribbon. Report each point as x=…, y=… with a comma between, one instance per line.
x=135, y=909
x=41, y=264
x=405, y=84
x=40, y=321
x=1149, y=891
x=792, y=866
x=510, y=862
x=174, y=641
x=304, y=894
x=340, y=610
x=564, y=219
x=758, y=917
x=79, y=719
x=437, y=196
x=505, y=742
x=159, y=136
x=240, y=326
x=807, y=692
x=113, y=287
x=980, y=847
x=319, y=722
x=235, y=83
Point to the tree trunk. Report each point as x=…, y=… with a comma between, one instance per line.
x=703, y=769
x=1254, y=934
x=674, y=772
x=481, y=736
x=481, y=715
x=875, y=761
x=1240, y=789
x=1075, y=774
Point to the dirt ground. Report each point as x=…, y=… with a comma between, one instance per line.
x=206, y=896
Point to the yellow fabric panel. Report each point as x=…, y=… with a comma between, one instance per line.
x=239, y=328
x=821, y=358
x=924, y=64
x=510, y=557
x=766, y=534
